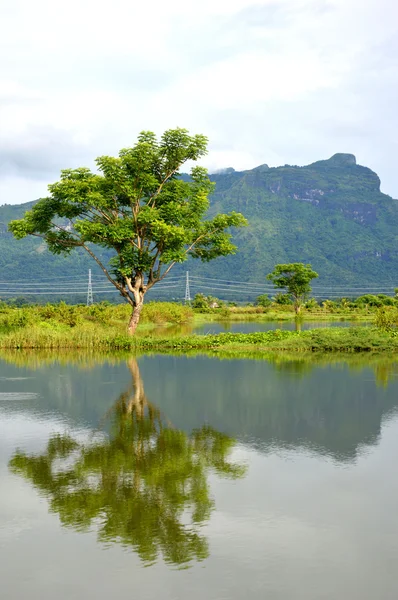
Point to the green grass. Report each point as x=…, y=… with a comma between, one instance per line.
x=63, y=317
x=103, y=328
x=347, y=340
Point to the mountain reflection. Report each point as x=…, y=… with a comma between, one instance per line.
x=144, y=486
x=331, y=405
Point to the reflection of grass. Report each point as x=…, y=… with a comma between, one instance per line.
x=385, y=366
x=84, y=359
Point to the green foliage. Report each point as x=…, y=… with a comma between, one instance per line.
x=295, y=278
x=205, y=304
x=166, y=312
x=263, y=301
x=283, y=299
x=311, y=304
x=387, y=319
x=200, y=301
x=369, y=300
x=330, y=214
x=62, y=317
x=14, y=318
x=137, y=207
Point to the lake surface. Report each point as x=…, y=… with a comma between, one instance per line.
x=191, y=477
x=252, y=327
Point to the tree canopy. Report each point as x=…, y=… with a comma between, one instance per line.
x=138, y=483
x=139, y=206
x=296, y=279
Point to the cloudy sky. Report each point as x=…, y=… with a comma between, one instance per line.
x=268, y=81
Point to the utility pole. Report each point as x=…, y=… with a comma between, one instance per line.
x=187, y=290
x=90, y=299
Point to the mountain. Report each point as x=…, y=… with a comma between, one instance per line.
x=331, y=214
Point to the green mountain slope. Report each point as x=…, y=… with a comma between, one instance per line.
x=331, y=214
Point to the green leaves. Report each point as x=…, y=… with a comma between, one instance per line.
x=295, y=278
x=137, y=205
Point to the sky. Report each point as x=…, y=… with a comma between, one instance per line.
x=268, y=81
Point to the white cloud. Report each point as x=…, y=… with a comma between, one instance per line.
x=275, y=81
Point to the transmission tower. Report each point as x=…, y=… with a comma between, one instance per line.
x=187, y=290
x=90, y=299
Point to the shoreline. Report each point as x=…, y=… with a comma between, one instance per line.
x=326, y=340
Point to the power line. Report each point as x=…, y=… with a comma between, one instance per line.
x=228, y=281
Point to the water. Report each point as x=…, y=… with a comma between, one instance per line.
x=252, y=327
x=176, y=477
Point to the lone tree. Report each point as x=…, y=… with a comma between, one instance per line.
x=295, y=278
x=138, y=206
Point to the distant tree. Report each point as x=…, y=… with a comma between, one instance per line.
x=311, y=304
x=138, y=206
x=200, y=301
x=296, y=279
x=203, y=302
x=263, y=301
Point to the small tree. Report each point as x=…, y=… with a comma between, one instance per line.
x=138, y=206
x=263, y=300
x=296, y=279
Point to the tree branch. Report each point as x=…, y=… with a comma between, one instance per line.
x=99, y=263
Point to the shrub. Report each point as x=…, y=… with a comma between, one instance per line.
x=200, y=301
x=387, y=319
x=166, y=312
x=311, y=304
x=14, y=319
x=283, y=299
x=263, y=301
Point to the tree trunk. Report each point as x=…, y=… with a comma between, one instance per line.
x=135, y=316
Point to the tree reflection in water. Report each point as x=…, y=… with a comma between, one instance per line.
x=144, y=486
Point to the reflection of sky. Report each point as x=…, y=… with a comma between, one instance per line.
x=297, y=526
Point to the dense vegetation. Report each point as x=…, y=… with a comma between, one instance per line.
x=101, y=327
x=331, y=214
x=64, y=318
x=138, y=207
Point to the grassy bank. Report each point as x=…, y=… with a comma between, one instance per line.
x=102, y=328
x=350, y=340
x=103, y=314
x=347, y=340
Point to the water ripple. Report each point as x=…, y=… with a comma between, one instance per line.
x=17, y=396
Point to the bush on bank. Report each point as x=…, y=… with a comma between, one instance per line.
x=63, y=315
x=316, y=340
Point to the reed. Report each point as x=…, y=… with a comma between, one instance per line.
x=350, y=340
